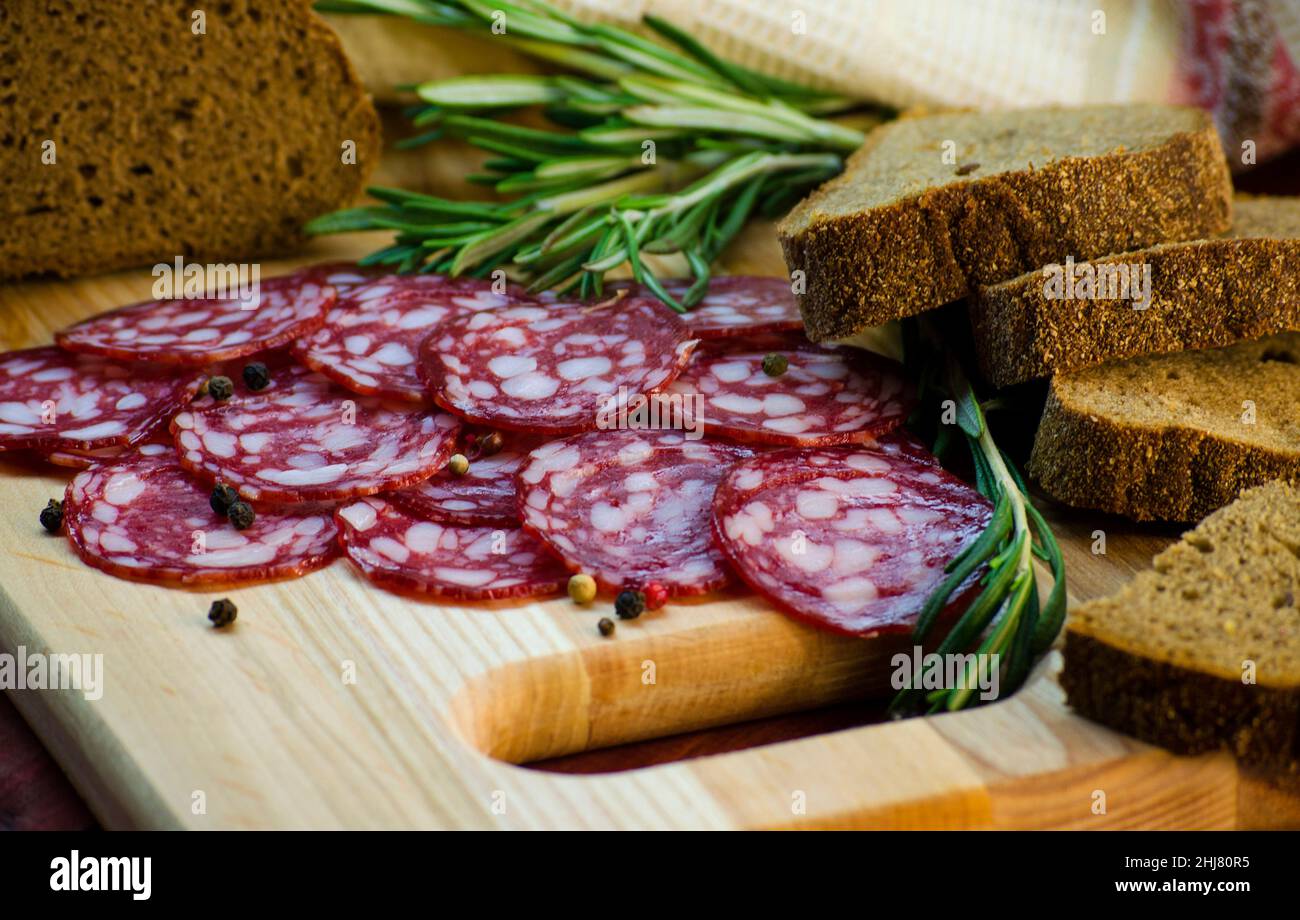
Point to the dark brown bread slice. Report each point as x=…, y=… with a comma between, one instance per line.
x=1172, y=437
x=901, y=231
x=1203, y=293
x=1203, y=651
x=214, y=147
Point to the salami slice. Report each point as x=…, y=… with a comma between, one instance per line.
x=195, y=332
x=850, y=540
x=52, y=400
x=372, y=334
x=146, y=519
x=313, y=441
x=399, y=550
x=824, y=397
x=736, y=305
x=553, y=369
x=630, y=507
x=84, y=459
x=483, y=497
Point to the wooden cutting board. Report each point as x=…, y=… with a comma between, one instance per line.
x=334, y=704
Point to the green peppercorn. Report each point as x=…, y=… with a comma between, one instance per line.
x=256, y=376
x=222, y=498
x=775, y=364
x=241, y=515
x=220, y=388
x=629, y=605
x=52, y=516
x=222, y=612
x=606, y=627
x=582, y=588
x=490, y=444
x=458, y=464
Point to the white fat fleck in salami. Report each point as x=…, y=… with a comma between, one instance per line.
x=629, y=508
x=195, y=332
x=850, y=540
x=483, y=497
x=146, y=519
x=736, y=305
x=825, y=396
x=371, y=338
x=554, y=368
x=53, y=400
x=313, y=441
x=399, y=550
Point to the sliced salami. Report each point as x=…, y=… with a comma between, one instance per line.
x=736, y=305
x=399, y=550
x=483, y=497
x=313, y=441
x=553, y=369
x=372, y=334
x=824, y=396
x=629, y=507
x=53, y=400
x=84, y=459
x=146, y=519
x=850, y=540
x=195, y=332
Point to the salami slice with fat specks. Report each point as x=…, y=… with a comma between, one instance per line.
x=850, y=540
x=554, y=368
x=630, y=507
x=53, y=400
x=736, y=305
x=483, y=497
x=399, y=550
x=372, y=334
x=310, y=440
x=84, y=459
x=824, y=397
x=201, y=331
x=147, y=519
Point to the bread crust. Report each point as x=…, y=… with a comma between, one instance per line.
x=900, y=259
x=216, y=146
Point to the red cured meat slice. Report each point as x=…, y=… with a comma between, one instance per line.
x=372, y=334
x=483, y=497
x=399, y=550
x=313, y=441
x=195, y=332
x=630, y=507
x=53, y=400
x=146, y=519
x=553, y=369
x=850, y=540
x=84, y=459
x=825, y=397
x=736, y=305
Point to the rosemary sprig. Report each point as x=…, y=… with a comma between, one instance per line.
x=1005, y=619
x=657, y=148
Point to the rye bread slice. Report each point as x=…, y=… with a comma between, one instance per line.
x=905, y=228
x=214, y=147
x=1172, y=437
x=1203, y=651
x=1202, y=294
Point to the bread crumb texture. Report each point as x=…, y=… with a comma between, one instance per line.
x=1203, y=294
x=211, y=146
x=1202, y=652
x=1172, y=437
x=911, y=224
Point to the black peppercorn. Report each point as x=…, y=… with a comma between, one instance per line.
x=52, y=516
x=490, y=444
x=220, y=388
x=606, y=626
x=256, y=376
x=240, y=514
x=222, y=498
x=629, y=605
x=222, y=612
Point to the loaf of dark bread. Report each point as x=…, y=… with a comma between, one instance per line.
x=1202, y=294
x=133, y=133
x=931, y=207
x=1172, y=437
x=1203, y=651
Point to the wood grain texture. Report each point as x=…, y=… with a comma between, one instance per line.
x=260, y=724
